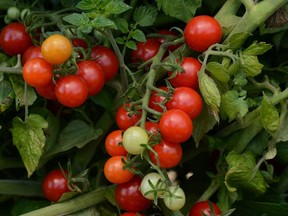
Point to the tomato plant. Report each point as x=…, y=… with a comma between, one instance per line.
x=113, y=143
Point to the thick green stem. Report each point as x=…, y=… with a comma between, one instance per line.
x=211, y=189
x=11, y=70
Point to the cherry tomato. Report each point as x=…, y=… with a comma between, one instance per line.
x=30, y=53
x=152, y=186
x=125, y=120
x=158, y=98
x=131, y=214
x=56, y=49
x=145, y=50
x=201, y=32
x=107, y=59
x=169, y=154
x=187, y=100
x=71, y=91
x=175, y=126
x=152, y=128
x=93, y=75
x=113, y=144
x=54, y=185
x=129, y=197
x=77, y=42
x=162, y=40
x=114, y=172
x=176, y=199
x=47, y=91
x=37, y=72
x=203, y=208
x=189, y=77
x=14, y=39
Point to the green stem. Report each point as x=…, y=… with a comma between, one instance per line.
x=211, y=189
x=249, y=4
x=11, y=70
x=20, y=188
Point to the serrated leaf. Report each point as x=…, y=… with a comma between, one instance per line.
x=145, y=15
x=116, y=7
x=138, y=35
x=101, y=22
x=257, y=48
x=132, y=45
x=251, y=66
x=87, y=5
x=218, y=71
x=122, y=25
x=270, y=118
x=29, y=139
x=6, y=95
x=119, y=40
x=77, y=19
x=105, y=99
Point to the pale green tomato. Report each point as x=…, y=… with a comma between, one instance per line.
x=13, y=13
x=152, y=186
x=176, y=200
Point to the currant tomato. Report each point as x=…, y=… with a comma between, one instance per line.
x=93, y=75
x=152, y=128
x=54, y=185
x=107, y=59
x=77, y=42
x=30, y=53
x=187, y=100
x=129, y=197
x=204, y=208
x=114, y=172
x=56, y=49
x=176, y=198
x=132, y=214
x=47, y=91
x=14, y=39
x=175, y=126
x=169, y=154
x=189, y=77
x=145, y=50
x=71, y=91
x=124, y=119
x=158, y=98
x=201, y=32
x=152, y=186
x=113, y=144
x=37, y=72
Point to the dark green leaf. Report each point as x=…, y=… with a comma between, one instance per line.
x=6, y=95
x=69, y=3
x=119, y=40
x=132, y=45
x=23, y=206
x=282, y=135
x=105, y=99
x=77, y=19
x=257, y=48
x=251, y=66
x=269, y=116
x=101, y=22
x=218, y=71
x=116, y=7
x=87, y=5
x=122, y=25
x=110, y=196
x=138, y=35
x=21, y=188
x=145, y=15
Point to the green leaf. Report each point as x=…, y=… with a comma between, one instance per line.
x=236, y=40
x=257, y=48
x=88, y=4
x=132, y=45
x=25, y=188
x=29, y=139
x=110, y=196
x=145, y=15
x=180, y=9
x=6, y=95
x=138, y=35
x=251, y=66
x=69, y=3
x=105, y=99
x=282, y=135
x=116, y=7
x=101, y=22
x=23, y=206
x=233, y=105
x=270, y=118
x=122, y=25
x=218, y=71
x=77, y=19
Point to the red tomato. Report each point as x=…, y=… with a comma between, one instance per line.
x=14, y=39
x=129, y=197
x=175, y=126
x=169, y=154
x=30, y=53
x=186, y=99
x=77, y=42
x=47, y=91
x=203, y=208
x=152, y=127
x=157, y=98
x=93, y=75
x=114, y=172
x=189, y=77
x=113, y=144
x=107, y=59
x=201, y=32
x=54, y=185
x=71, y=90
x=37, y=72
x=131, y=214
x=145, y=50
x=124, y=120
x=162, y=40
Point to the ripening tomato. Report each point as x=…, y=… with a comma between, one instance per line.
x=204, y=208
x=56, y=49
x=71, y=90
x=37, y=72
x=114, y=172
x=113, y=144
x=145, y=50
x=169, y=154
x=124, y=119
x=186, y=99
x=189, y=77
x=47, y=91
x=107, y=59
x=162, y=40
x=175, y=126
x=157, y=99
x=54, y=185
x=132, y=214
x=129, y=197
x=93, y=75
x=201, y=32
x=30, y=53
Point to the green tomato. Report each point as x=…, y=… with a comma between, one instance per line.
x=13, y=13
x=152, y=186
x=176, y=199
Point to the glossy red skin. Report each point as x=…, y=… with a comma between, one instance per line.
x=186, y=99
x=123, y=120
x=113, y=144
x=37, y=72
x=131, y=214
x=77, y=42
x=54, y=185
x=156, y=99
x=175, y=126
x=189, y=77
x=201, y=32
x=145, y=50
x=93, y=75
x=162, y=40
x=203, y=208
x=30, y=53
x=129, y=197
x=47, y=91
x=169, y=154
x=71, y=91
x=14, y=39
x=107, y=59
x=152, y=127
